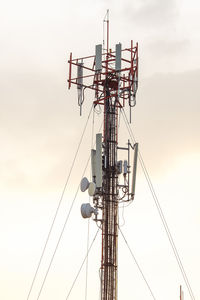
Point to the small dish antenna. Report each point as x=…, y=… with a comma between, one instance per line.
x=91, y=189
x=87, y=210
x=84, y=184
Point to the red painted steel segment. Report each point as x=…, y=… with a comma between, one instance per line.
x=70, y=70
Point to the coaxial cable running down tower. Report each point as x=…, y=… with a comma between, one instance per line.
x=113, y=75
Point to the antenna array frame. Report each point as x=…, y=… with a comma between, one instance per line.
x=122, y=83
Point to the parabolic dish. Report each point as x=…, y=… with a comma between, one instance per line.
x=92, y=189
x=84, y=184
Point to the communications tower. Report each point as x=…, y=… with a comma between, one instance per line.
x=113, y=76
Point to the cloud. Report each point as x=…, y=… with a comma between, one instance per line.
x=40, y=124
x=150, y=13
x=172, y=46
x=167, y=117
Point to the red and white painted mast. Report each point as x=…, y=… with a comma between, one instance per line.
x=113, y=75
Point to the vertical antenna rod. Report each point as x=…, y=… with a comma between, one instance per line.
x=107, y=30
x=106, y=20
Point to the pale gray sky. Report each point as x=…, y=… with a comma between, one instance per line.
x=40, y=128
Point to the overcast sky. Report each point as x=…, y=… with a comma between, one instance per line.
x=40, y=128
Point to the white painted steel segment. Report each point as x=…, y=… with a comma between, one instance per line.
x=118, y=62
x=99, y=160
x=98, y=58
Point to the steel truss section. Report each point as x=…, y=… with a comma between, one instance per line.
x=122, y=84
x=113, y=88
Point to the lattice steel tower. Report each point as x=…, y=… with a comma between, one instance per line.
x=113, y=75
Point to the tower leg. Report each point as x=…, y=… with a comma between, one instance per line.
x=110, y=205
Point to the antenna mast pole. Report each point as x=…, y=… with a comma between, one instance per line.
x=107, y=30
x=115, y=82
x=110, y=192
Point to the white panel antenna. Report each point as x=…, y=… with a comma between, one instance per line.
x=118, y=49
x=99, y=160
x=119, y=167
x=93, y=164
x=135, y=82
x=134, y=168
x=98, y=58
x=125, y=171
x=80, y=85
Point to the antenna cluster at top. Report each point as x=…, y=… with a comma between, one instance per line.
x=114, y=71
